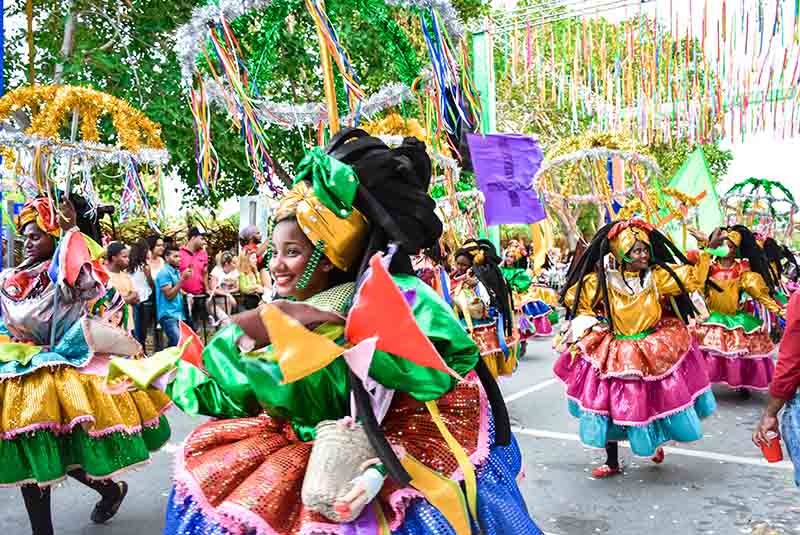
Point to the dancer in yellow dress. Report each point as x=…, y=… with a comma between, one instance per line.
x=57, y=420
x=485, y=304
x=631, y=371
x=736, y=344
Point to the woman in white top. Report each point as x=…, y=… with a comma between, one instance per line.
x=141, y=272
x=224, y=283
x=156, y=262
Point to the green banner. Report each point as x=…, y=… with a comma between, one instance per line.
x=694, y=178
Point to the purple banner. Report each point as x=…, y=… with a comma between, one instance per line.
x=505, y=165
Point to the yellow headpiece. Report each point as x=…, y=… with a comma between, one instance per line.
x=624, y=236
x=734, y=236
x=343, y=236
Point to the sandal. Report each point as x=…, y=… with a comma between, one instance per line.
x=105, y=511
x=658, y=458
x=605, y=471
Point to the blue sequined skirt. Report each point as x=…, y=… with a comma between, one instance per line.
x=501, y=507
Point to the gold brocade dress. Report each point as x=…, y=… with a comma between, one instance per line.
x=497, y=350
x=645, y=381
x=734, y=342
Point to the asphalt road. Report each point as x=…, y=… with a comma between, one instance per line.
x=719, y=485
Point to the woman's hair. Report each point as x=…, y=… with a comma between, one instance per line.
x=662, y=253
x=114, y=248
x=246, y=266
x=392, y=194
x=138, y=255
x=750, y=250
x=153, y=240
x=486, y=266
x=775, y=255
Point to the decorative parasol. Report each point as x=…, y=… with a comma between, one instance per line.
x=766, y=206
x=38, y=160
x=605, y=170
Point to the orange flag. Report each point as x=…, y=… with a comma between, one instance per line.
x=192, y=346
x=381, y=311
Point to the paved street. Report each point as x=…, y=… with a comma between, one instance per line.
x=718, y=486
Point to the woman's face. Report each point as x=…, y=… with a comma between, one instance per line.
x=639, y=257
x=731, y=249
x=228, y=266
x=158, y=249
x=291, y=251
x=38, y=246
x=463, y=264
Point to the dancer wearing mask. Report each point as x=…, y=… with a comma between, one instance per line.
x=736, y=344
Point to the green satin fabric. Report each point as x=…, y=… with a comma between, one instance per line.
x=741, y=320
x=16, y=352
x=637, y=336
x=334, y=183
x=518, y=279
x=238, y=385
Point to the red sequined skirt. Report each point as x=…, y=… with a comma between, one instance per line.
x=248, y=472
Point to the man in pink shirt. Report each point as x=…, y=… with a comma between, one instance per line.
x=195, y=258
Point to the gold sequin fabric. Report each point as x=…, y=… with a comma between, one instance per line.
x=252, y=469
x=718, y=339
x=57, y=398
x=538, y=293
x=485, y=337
x=651, y=356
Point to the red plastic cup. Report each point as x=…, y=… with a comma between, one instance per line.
x=773, y=452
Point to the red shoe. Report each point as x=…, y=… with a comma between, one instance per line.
x=605, y=471
x=658, y=458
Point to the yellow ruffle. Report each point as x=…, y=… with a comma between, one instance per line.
x=499, y=365
x=61, y=397
x=539, y=293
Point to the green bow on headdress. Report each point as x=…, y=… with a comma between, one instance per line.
x=334, y=183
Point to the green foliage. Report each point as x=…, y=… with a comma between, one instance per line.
x=126, y=49
x=671, y=157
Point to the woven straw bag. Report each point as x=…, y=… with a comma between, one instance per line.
x=337, y=457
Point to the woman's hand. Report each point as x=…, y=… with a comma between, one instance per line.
x=67, y=218
x=698, y=235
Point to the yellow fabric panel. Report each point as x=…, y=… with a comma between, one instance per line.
x=727, y=301
x=693, y=277
x=590, y=291
x=754, y=284
x=443, y=493
x=542, y=240
x=60, y=395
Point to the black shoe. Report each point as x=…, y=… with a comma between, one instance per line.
x=745, y=393
x=105, y=510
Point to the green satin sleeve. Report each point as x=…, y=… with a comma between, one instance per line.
x=225, y=391
x=448, y=336
x=323, y=395
x=518, y=279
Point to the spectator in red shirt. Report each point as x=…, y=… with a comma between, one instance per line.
x=783, y=390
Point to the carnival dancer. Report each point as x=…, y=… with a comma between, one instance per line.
x=630, y=372
x=485, y=304
x=534, y=304
x=56, y=419
x=737, y=345
x=279, y=379
x=429, y=265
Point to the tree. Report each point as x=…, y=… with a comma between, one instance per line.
x=671, y=157
x=126, y=48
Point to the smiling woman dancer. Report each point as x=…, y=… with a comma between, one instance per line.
x=632, y=373
x=56, y=420
x=276, y=407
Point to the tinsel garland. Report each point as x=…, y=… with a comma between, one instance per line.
x=51, y=107
x=95, y=152
x=191, y=39
x=192, y=36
